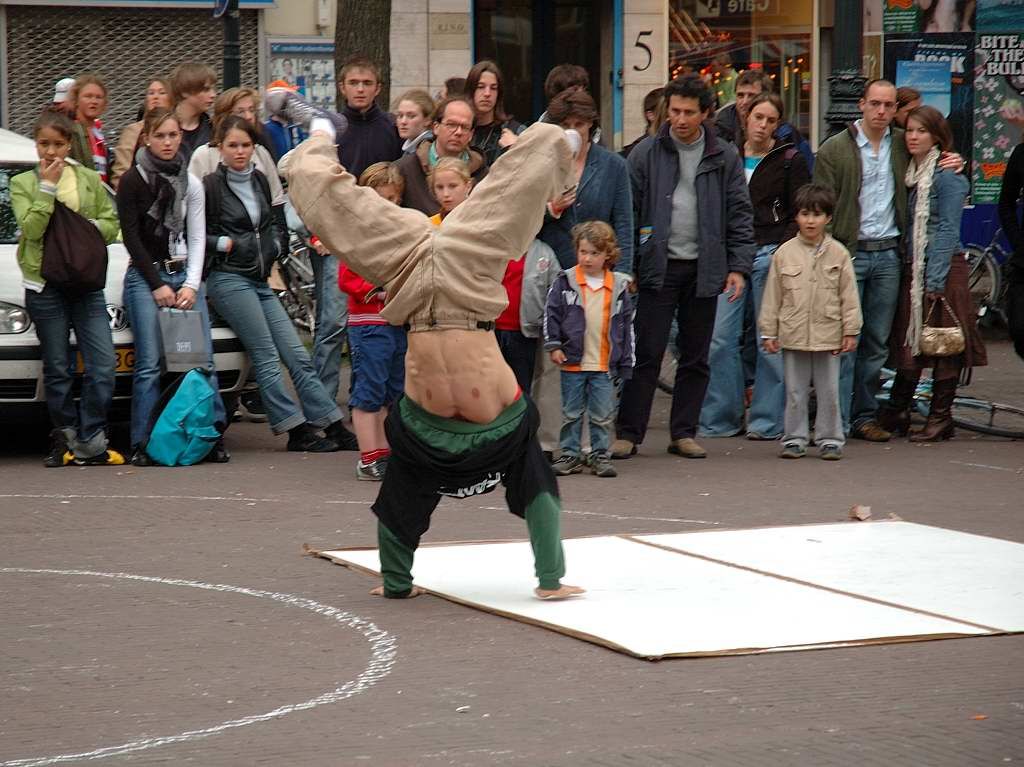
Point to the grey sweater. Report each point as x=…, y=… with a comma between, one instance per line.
x=682, y=239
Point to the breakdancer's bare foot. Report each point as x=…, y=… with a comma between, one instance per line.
x=565, y=591
x=415, y=591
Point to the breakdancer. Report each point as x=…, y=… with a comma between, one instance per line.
x=463, y=426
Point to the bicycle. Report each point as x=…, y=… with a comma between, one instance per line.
x=977, y=415
x=296, y=289
x=988, y=277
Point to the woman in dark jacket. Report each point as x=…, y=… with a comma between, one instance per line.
x=161, y=208
x=775, y=169
x=934, y=286
x=245, y=234
x=495, y=131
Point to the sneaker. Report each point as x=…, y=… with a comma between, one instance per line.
x=568, y=464
x=757, y=436
x=871, y=432
x=830, y=453
x=141, y=458
x=106, y=458
x=372, y=471
x=341, y=436
x=306, y=439
x=622, y=449
x=793, y=451
x=59, y=454
x=687, y=447
x=601, y=466
x=251, y=403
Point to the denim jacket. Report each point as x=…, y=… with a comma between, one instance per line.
x=946, y=206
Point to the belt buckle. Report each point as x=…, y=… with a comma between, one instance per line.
x=174, y=265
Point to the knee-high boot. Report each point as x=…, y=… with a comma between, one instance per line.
x=894, y=416
x=940, y=419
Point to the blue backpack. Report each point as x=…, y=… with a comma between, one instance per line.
x=184, y=431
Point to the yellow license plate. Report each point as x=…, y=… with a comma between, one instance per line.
x=125, y=361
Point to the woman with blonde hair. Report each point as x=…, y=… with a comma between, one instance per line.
x=238, y=102
x=412, y=118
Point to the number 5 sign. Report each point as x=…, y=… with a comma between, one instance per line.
x=645, y=43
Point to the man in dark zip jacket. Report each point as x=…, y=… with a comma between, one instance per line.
x=696, y=240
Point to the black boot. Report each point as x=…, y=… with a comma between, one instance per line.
x=140, y=457
x=894, y=416
x=304, y=438
x=345, y=439
x=219, y=454
x=940, y=419
x=58, y=450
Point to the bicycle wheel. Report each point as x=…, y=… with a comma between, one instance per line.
x=989, y=418
x=983, y=279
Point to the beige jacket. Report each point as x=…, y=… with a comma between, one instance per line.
x=810, y=299
x=124, y=152
x=443, y=277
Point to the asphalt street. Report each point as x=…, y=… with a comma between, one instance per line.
x=169, y=616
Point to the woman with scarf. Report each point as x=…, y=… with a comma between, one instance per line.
x=163, y=221
x=933, y=288
x=246, y=233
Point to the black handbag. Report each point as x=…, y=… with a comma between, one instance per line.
x=74, y=253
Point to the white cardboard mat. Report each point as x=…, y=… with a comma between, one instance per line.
x=744, y=591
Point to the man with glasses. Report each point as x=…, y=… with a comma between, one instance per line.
x=866, y=165
x=453, y=124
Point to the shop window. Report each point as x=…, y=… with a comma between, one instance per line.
x=721, y=38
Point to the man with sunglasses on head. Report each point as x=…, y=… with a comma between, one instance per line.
x=866, y=165
x=453, y=124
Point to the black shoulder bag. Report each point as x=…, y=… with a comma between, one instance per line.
x=74, y=253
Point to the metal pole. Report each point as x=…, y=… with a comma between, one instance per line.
x=846, y=82
x=232, y=47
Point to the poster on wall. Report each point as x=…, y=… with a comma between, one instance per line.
x=931, y=16
x=999, y=109
x=307, y=65
x=1000, y=16
x=954, y=54
x=929, y=78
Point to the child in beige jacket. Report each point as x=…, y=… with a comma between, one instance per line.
x=811, y=310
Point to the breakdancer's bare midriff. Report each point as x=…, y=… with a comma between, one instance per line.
x=459, y=374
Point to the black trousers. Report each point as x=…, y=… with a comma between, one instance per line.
x=520, y=353
x=1015, y=315
x=696, y=320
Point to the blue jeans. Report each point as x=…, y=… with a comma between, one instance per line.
x=142, y=315
x=254, y=312
x=878, y=282
x=593, y=393
x=769, y=401
x=54, y=315
x=331, y=321
x=721, y=414
x=378, y=366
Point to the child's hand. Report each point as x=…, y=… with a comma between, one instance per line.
x=50, y=170
x=849, y=344
x=771, y=345
x=558, y=357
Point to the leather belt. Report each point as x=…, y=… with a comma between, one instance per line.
x=873, y=246
x=172, y=265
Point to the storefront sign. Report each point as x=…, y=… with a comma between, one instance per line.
x=720, y=9
x=449, y=31
x=999, y=110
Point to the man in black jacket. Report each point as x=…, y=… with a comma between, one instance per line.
x=695, y=222
x=1013, y=185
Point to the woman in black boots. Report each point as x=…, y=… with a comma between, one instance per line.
x=933, y=288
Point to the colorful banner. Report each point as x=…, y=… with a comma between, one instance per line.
x=930, y=78
x=954, y=51
x=999, y=109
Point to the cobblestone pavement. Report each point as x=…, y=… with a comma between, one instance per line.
x=253, y=676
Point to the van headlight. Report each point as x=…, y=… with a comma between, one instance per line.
x=13, y=318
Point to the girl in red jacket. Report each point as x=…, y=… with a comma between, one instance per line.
x=377, y=348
